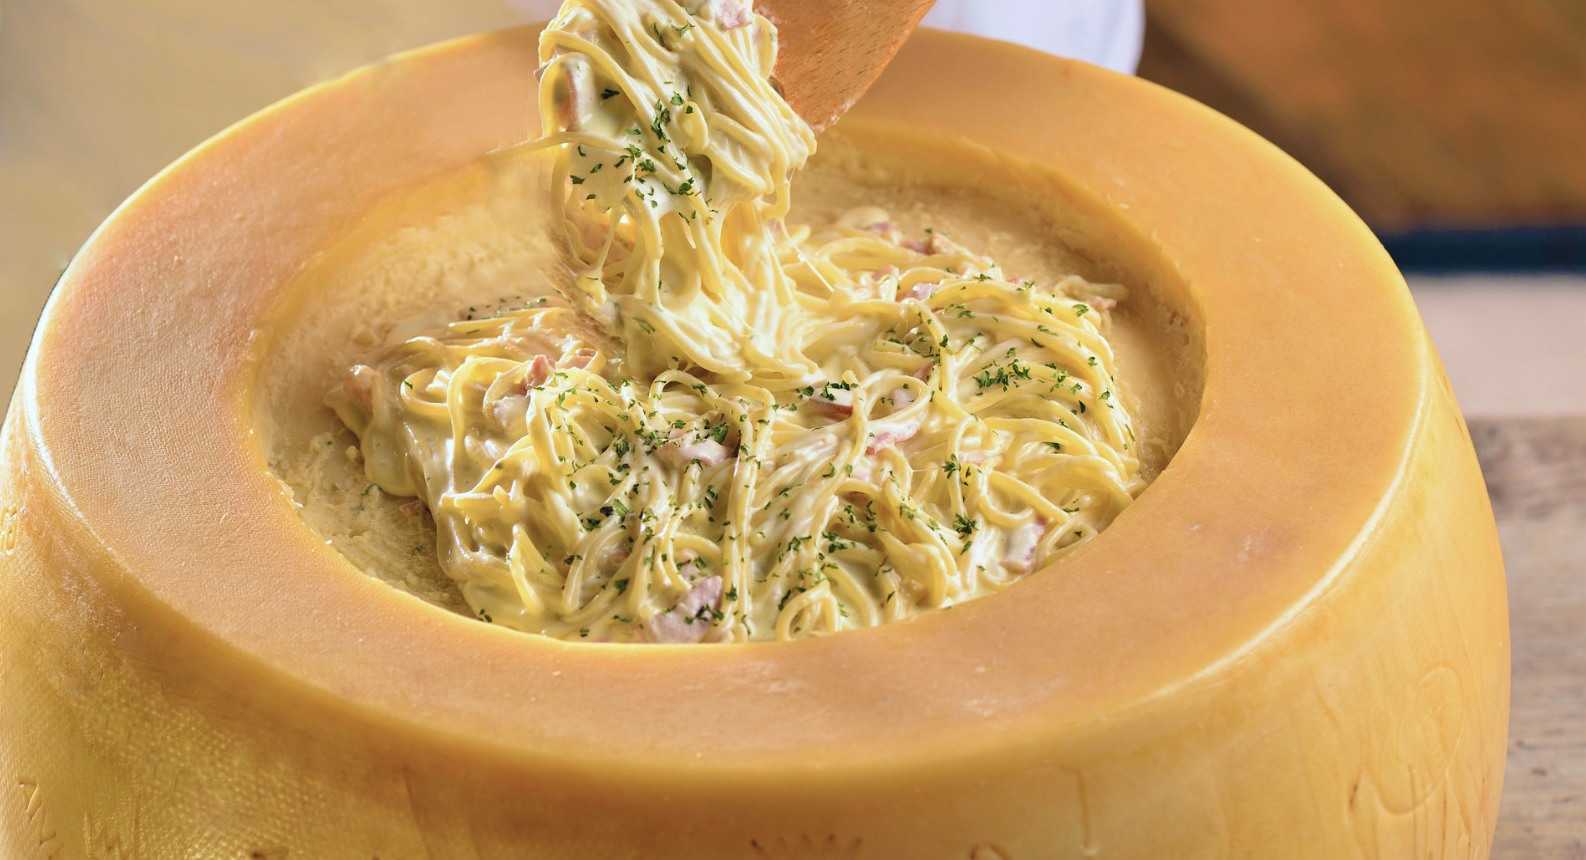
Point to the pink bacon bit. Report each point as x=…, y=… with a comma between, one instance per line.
x=833, y=402
x=928, y=245
x=690, y=620
x=578, y=358
x=730, y=14
x=889, y=433
x=708, y=452
x=511, y=407
x=921, y=292
x=1019, y=554
x=359, y=385
x=539, y=371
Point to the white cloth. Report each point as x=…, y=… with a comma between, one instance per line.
x=1104, y=32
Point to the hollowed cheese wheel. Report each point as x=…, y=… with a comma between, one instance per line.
x=1294, y=644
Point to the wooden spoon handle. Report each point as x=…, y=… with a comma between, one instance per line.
x=831, y=51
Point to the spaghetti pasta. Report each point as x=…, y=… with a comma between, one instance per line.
x=725, y=429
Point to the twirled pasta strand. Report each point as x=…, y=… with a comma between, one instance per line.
x=795, y=434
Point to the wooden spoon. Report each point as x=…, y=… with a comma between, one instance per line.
x=831, y=51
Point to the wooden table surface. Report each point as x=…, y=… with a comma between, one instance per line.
x=1536, y=473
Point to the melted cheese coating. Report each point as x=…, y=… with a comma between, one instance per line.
x=726, y=429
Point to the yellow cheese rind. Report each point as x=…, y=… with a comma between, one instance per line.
x=1294, y=644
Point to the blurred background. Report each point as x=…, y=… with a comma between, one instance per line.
x=1457, y=129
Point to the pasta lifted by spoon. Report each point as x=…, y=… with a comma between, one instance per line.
x=789, y=432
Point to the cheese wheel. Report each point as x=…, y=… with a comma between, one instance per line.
x=1293, y=644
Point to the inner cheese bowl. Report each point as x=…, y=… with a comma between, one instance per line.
x=1293, y=643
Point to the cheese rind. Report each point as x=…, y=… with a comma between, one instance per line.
x=1293, y=644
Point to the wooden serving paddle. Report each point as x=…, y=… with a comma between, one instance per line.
x=831, y=51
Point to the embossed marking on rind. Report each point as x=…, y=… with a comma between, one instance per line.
x=807, y=845
x=48, y=843
x=10, y=522
x=103, y=841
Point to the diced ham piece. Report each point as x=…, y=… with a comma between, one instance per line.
x=360, y=385
x=688, y=621
x=1019, y=554
x=889, y=433
x=578, y=358
x=708, y=452
x=835, y=402
x=921, y=292
x=928, y=245
x=539, y=371
x=509, y=408
x=903, y=396
x=730, y=14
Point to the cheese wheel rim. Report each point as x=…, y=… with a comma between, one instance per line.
x=1318, y=381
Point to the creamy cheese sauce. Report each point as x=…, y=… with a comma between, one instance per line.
x=727, y=429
